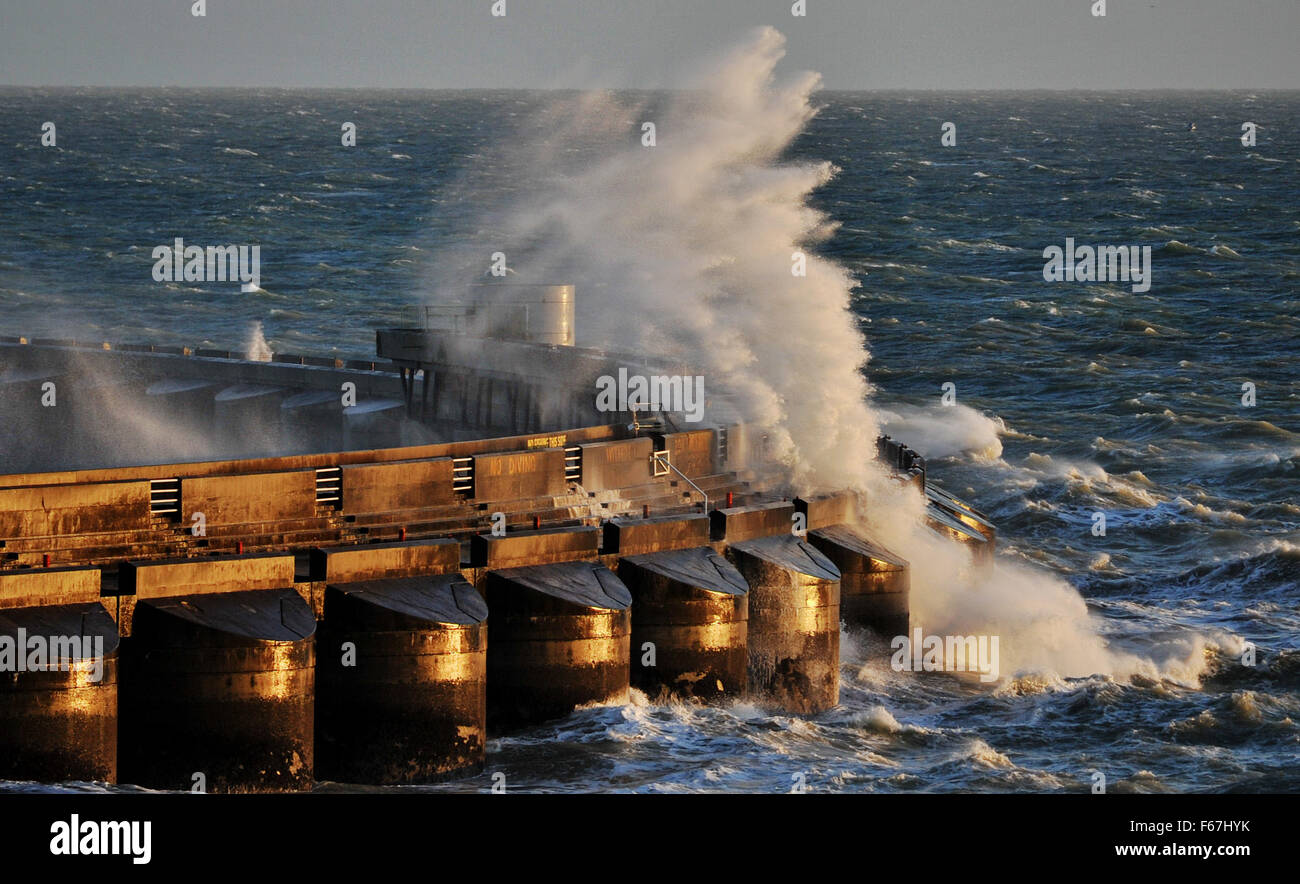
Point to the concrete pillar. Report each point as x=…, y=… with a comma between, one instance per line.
x=874, y=582
x=59, y=725
x=560, y=637
x=402, y=689
x=689, y=623
x=220, y=684
x=794, y=622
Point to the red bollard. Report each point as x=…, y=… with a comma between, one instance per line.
x=729, y=498
x=47, y=560
x=402, y=533
x=537, y=522
x=241, y=547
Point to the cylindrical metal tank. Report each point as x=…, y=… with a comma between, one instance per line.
x=559, y=640
x=794, y=622
x=402, y=681
x=541, y=314
x=218, y=690
x=690, y=616
x=59, y=725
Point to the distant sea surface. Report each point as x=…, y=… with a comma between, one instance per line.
x=1108, y=400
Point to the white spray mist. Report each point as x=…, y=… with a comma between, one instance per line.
x=687, y=248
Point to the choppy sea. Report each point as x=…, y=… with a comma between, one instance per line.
x=1092, y=397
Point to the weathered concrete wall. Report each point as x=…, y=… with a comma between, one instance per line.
x=352, y=564
x=534, y=547
x=258, y=497
x=53, y=586
x=734, y=524
x=73, y=509
x=516, y=475
x=825, y=510
x=466, y=448
x=383, y=487
x=631, y=537
x=619, y=464
x=691, y=451
x=174, y=577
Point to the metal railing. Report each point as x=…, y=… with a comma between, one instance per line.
x=573, y=464
x=165, y=497
x=462, y=476
x=329, y=485
x=659, y=458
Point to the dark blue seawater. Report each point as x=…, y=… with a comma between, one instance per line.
x=1106, y=400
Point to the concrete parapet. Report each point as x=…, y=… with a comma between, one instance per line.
x=734, y=524
x=691, y=451
x=383, y=487
x=516, y=475
x=249, y=497
x=824, y=510
x=44, y=510
x=351, y=564
x=50, y=586
x=630, y=537
x=622, y=463
x=534, y=547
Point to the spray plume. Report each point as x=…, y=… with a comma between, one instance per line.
x=686, y=248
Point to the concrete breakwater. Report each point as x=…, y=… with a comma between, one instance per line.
x=376, y=615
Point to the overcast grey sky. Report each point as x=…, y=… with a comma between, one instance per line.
x=855, y=44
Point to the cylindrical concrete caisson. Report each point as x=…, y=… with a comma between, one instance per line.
x=874, y=582
x=690, y=613
x=794, y=622
x=559, y=640
x=401, y=693
x=218, y=691
x=58, y=693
